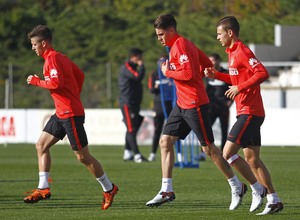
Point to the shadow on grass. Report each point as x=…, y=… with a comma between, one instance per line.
x=14, y=202
x=17, y=181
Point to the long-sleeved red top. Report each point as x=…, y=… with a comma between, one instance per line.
x=247, y=73
x=187, y=64
x=64, y=80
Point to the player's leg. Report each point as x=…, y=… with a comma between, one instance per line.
x=43, y=146
x=198, y=120
x=241, y=134
x=175, y=127
x=166, y=193
x=79, y=143
x=46, y=140
x=230, y=153
x=238, y=189
x=95, y=167
x=252, y=156
x=167, y=154
x=258, y=167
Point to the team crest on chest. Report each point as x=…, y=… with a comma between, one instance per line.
x=253, y=62
x=183, y=58
x=53, y=73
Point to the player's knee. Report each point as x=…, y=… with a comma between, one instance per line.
x=231, y=159
x=253, y=162
x=163, y=143
x=166, y=142
x=207, y=151
x=81, y=158
x=211, y=150
x=40, y=148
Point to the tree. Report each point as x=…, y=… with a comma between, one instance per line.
x=97, y=34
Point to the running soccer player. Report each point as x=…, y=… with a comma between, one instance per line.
x=186, y=67
x=246, y=73
x=64, y=80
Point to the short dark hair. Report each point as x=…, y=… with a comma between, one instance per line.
x=42, y=32
x=230, y=23
x=216, y=56
x=165, y=21
x=135, y=52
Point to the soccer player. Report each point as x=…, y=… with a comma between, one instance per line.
x=186, y=67
x=162, y=102
x=64, y=80
x=132, y=73
x=246, y=73
x=219, y=103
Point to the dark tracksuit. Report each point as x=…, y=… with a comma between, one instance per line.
x=131, y=94
x=219, y=104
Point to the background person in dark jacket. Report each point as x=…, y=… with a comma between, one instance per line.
x=132, y=73
x=219, y=103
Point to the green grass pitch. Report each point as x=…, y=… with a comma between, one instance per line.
x=200, y=193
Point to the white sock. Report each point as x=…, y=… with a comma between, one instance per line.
x=234, y=183
x=43, y=180
x=166, y=185
x=127, y=153
x=273, y=198
x=256, y=187
x=105, y=183
x=137, y=156
x=152, y=154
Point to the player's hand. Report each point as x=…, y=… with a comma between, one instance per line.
x=140, y=62
x=33, y=80
x=209, y=72
x=165, y=67
x=232, y=92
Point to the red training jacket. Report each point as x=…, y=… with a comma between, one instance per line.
x=64, y=81
x=187, y=64
x=246, y=72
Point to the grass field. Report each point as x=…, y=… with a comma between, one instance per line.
x=200, y=193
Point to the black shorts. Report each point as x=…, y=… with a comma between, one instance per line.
x=73, y=127
x=246, y=131
x=182, y=121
